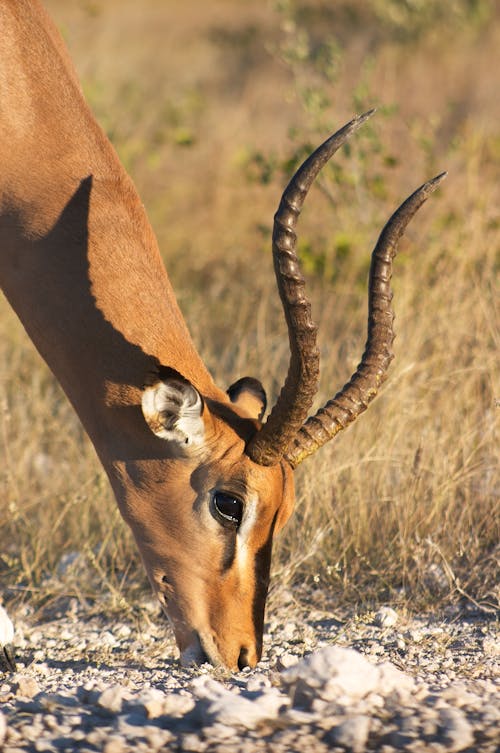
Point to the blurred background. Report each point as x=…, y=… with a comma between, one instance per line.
x=211, y=106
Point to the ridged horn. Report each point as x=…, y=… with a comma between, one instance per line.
x=362, y=387
x=269, y=445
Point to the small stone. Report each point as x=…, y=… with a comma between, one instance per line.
x=351, y=734
x=50, y=721
x=491, y=646
x=26, y=687
x=178, y=705
x=96, y=737
x=287, y=660
x=43, y=669
x=400, y=643
x=385, y=617
x=258, y=683
x=107, y=639
x=33, y=730
x=115, y=744
x=289, y=631
x=429, y=727
x=156, y=738
x=153, y=702
x=111, y=699
x=123, y=631
x=330, y=672
x=457, y=733
x=192, y=743
x=392, y=680
x=458, y=695
x=43, y=744
x=414, y=635
x=221, y=705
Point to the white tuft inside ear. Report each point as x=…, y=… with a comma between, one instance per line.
x=173, y=411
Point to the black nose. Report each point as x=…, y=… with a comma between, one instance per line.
x=243, y=659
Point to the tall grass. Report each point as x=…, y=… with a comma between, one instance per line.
x=405, y=505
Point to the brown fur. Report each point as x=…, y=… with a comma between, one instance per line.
x=80, y=265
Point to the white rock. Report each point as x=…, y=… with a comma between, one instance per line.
x=457, y=732
x=153, y=702
x=385, y=617
x=287, y=660
x=26, y=687
x=289, y=631
x=228, y=708
x=258, y=682
x=108, y=639
x=351, y=734
x=112, y=698
x=123, y=631
x=115, y=744
x=391, y=679
x=491, y=646
x=331, y=672
x=192, y=743
x=178, y=705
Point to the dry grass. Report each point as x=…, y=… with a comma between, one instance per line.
x=406, y=504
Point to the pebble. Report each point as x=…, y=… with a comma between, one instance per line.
x=331, y=672
x=385, y=617
x=351, y=733
x=287, y=660
x=115, y=744
x=111, y=699
x=26, y=687
x=232, y=710
x=342, y=685
x=491, y=646
x=192, y=743
x=152, y=701
x=457, y=732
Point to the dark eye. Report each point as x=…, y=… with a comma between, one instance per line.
x=228, y=509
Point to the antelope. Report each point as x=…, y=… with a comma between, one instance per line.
x=202, y=479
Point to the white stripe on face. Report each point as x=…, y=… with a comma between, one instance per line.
x=245, y=531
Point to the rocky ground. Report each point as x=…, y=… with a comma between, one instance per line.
x=376, y=682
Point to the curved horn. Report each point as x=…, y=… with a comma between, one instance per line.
x=269, y=445
x=355, y=396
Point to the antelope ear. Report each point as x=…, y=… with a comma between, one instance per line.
x=173, y=409
x=249, y=394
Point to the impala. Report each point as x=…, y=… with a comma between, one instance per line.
x=202, y=480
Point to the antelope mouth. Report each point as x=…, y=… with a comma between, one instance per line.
x=201, y=651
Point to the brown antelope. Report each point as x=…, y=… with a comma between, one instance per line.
x=204, y=483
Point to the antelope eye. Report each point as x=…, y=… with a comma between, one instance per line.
x=228, y=509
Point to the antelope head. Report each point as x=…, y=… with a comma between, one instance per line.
x=224, y=478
